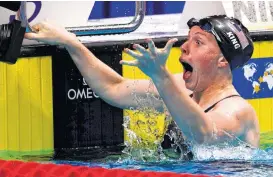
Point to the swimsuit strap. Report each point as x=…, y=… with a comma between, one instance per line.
x=212, y=106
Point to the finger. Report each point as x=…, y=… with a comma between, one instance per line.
x=129, y=63
x=169, y=44
x=151, y=46
x=132, y=53
x=140, y=48
x=37, y=27
x=32, y=36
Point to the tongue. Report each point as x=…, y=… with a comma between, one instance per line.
x=187, y=75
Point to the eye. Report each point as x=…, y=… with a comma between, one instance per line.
x=198, y=42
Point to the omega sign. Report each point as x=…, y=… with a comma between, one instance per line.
x=81, y=93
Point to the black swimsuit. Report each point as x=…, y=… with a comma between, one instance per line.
x=212, y=106
x=167, y=143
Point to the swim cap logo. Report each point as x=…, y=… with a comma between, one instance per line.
x=233, y=40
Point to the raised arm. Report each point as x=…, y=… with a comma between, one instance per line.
x=108, y=84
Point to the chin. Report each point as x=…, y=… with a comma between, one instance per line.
x=190, y=86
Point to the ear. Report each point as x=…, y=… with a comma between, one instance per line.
x=222, y=62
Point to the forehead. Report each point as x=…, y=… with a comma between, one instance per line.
x=196, y=30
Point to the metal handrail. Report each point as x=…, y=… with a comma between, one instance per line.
x=113, y=28
x=96, y=29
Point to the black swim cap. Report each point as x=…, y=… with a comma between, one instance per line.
x=231, y=35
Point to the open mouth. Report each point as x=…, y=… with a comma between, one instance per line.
x=187, y=70
x=187, y=67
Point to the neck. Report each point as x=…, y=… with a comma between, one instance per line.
x=215, y=92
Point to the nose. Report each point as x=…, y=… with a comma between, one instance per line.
x=184, y=48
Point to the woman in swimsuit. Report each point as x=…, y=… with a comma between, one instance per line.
x=215, y=46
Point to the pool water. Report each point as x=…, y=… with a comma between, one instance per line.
x=227, y=161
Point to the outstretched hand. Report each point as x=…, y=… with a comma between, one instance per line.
x=50, y=34
x=151, y=61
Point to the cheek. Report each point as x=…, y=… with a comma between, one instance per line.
x=209, y=56
x=202, y=64
x=207, y=60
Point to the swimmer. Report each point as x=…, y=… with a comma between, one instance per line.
x=202, y=100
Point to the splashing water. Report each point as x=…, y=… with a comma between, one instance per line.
x=145, y=138
x=139, y=148
x=222, y=159
x=210, y=160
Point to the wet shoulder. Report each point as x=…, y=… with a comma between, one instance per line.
x=239, y=108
